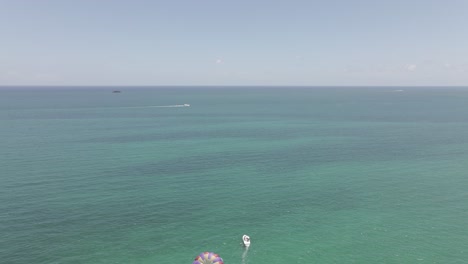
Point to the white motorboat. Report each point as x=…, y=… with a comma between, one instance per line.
x=246, y=240
x=186, y=105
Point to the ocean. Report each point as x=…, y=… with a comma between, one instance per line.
x=312, y=174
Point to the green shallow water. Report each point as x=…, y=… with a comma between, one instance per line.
x=318, y=175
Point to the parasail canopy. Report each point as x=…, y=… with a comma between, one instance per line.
x=208, y=258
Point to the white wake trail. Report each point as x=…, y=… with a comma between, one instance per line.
x=157, y=106
x=244, y=255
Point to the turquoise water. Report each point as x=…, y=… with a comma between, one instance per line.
x=313, y=175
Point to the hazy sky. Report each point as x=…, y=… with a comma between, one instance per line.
x=217, y=42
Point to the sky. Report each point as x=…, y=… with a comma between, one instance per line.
x=219, y=42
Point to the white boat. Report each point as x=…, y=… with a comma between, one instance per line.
x=246, y=240
x=186, y=105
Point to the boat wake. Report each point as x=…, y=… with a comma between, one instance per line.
x=244, y=255
x=158, y=106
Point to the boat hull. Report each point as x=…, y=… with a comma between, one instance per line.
x=246, y=240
